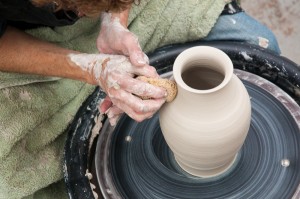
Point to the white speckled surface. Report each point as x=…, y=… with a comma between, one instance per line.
x=283, y=18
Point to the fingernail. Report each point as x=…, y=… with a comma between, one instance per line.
x=141, y=61
x=146, y=58
x=107, y=111
x=142, y=58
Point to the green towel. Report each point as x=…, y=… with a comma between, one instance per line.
x=35, y=110
x=161, y=22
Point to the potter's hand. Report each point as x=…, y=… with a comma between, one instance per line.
x=115, y=38
x=115, y=74
x=113, y=112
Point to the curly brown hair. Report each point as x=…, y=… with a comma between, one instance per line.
x=88, y=7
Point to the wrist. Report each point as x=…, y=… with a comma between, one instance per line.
x=89, y=66
x=122, y=16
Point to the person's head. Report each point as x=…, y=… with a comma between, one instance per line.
x=88, y=7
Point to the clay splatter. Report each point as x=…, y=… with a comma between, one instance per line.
x=263, y=42
x=24, y=95
x=233, y=21
x=246, y=56
x=6, y=93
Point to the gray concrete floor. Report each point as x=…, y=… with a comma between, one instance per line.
x=283, y=18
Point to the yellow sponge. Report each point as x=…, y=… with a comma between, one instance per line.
x=169, y=85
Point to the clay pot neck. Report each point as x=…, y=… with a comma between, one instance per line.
x=202, y=73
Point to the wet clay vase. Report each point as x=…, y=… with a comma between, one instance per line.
x=207, y=123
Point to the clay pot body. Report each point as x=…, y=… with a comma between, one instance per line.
x=207, y=123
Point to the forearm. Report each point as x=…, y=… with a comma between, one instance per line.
x=22, y=53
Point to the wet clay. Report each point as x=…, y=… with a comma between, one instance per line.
x=208, y=121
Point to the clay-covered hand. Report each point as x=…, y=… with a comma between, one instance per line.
x=113, y=112
x=115, y=75
x=115, y=38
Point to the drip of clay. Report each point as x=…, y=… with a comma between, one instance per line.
x=207, y=123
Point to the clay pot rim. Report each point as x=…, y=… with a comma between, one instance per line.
x=228, y=73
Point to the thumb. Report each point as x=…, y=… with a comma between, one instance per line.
x=138, y=58
x=134, y=51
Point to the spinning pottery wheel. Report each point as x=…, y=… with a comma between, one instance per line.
x=132, y=160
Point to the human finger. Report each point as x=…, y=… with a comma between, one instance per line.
x=145, y=70
x=114, y=111
x=141, y=88
x=139, y=117
x=133, y=49
x=114, y=120
x=105, y=105
x=135, y=107
x=114, y=114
